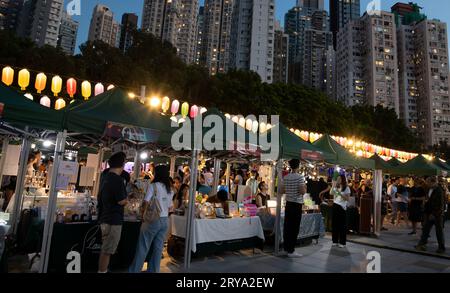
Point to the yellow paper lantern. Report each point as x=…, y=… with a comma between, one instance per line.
x=24, y=79
x=41, y=82
x=8, y=75
x=60, y=103
x=255, y=126
x=262, y=127
x=184, y=109
x=242, y=122
x=249, y=124
x=165, y=105
x=56, y=85
x=86, y=89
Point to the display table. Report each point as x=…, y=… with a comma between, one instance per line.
x=85, y=238
x=241, y=232
x=311, y=226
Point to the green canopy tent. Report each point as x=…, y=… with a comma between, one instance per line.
x=218, y=133
x=381, y=164
x=394, y=162
x=341, y=156
x=292, y=146
x=19, y=111
x=112, y=108
x=441, y=164
x=419, y=166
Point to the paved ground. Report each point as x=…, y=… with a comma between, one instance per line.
x=320, y=258
x=398, y=238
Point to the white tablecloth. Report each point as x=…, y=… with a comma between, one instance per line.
x=214, y=230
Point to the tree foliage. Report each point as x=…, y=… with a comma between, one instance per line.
x=155, y=64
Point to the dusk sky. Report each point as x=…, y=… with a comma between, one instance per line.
x=433, y=9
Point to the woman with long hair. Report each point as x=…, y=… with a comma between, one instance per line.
x=153, y=234
x=341, y=193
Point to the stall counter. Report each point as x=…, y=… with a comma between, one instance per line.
x=218, y=230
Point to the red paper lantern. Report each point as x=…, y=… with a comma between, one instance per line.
x=71, y=87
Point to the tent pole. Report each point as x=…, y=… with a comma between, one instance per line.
x=52, y=200
x=190, y=217
x=273, y=171
x=20, y=182
x=216, y=181
x=3, y=158
x=172, y=166
x=377, y=201
x=279, y=168
x=227, y=177
x=137, y=166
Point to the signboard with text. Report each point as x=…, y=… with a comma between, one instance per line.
x=134, y=133
x=311, y=155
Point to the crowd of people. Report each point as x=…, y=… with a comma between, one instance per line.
x=418, y=200
x=167, y=194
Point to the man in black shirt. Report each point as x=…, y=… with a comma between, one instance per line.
x=112, y=198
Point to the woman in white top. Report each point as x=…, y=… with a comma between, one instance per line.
x=152, y=235
x=341, y=193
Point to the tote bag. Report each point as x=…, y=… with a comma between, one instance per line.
x=153, y=210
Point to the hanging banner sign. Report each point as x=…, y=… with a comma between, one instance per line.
x=311, y=155
x=246, y=149
x=134, y=133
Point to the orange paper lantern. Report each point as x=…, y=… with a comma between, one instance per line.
x=8, y=75
x=41, y=82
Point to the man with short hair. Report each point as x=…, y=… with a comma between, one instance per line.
x=112, y=198
x=294, y=186
x=434, y=209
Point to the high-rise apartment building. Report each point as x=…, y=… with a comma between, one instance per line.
x=330, y=72
x=423, y=73
x=309, y=39
x=341, y=12
x=350, y=74
x=199, y=38
x=9, y=13
x=280, y=55
x=316, y=4
x=367, y=63
x=68, y=31
x=216, y=35
x=408, y=90
x=129, y=25
x=174, y=21
x=103, y=26
x=252, y=37
x=40, y=20
x=187, y=31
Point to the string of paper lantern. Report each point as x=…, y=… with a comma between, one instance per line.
x=360, y=148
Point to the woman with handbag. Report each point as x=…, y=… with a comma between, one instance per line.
x=155, y=208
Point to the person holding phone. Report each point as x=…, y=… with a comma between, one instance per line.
x=341, y=193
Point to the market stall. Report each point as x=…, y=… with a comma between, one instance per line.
x=369, y=208
x=291, y=146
